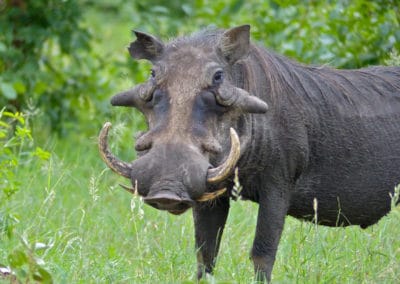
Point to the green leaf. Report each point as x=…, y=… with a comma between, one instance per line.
x=3, y=47
x=8, y=90
x=40, y=87
x=19, y=87
x=17, y=258
x=43, y=275
x=42, y=154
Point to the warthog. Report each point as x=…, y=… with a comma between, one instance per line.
x=298, y=135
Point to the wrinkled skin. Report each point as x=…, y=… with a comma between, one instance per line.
x=329, y=138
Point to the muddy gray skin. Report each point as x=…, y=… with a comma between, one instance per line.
x=307, y=135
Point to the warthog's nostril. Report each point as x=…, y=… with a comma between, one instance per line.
x=144, y=142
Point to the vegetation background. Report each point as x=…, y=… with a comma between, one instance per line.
x=63, y=218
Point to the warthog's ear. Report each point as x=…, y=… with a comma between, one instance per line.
x=235, y=43
x=145, y=47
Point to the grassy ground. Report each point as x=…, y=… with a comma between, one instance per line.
x=91, y=231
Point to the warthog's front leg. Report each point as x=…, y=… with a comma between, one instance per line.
x=271, y=217
x=209, y=222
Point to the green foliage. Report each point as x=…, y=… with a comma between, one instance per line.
x=394, y=59
x=45, y=61
x=16, y=152
x=26, y=266
x=16, y=149
x=347, y=34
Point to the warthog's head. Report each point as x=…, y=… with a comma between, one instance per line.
x=192, y=104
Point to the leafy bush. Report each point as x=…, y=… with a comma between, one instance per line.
x=343, y=33
x=16, y=149
x=347, y=34
x=45, y=61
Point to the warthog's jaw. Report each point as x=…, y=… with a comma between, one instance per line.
x=169, y=200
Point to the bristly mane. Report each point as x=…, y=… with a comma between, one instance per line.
x=358, y=90
x=207, y=38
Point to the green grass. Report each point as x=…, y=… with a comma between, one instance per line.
x=96, y=232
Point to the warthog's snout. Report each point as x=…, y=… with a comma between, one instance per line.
x=170, y=201
x=173, y=177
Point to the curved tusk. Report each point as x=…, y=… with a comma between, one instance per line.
x=122, y=168
x=211, y=195
x=128, y=189
x=220, y=173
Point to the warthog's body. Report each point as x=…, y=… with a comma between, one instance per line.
x=329, y=138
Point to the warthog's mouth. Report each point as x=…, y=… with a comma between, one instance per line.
x=172, y=203
x=183, y=203
x=176, y=205
x=178, y=211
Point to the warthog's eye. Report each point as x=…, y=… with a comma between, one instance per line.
x=152, y=74
x=218, y=77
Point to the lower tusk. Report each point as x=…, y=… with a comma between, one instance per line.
x=221, y=172
x=129, y=189
x=211, y=195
